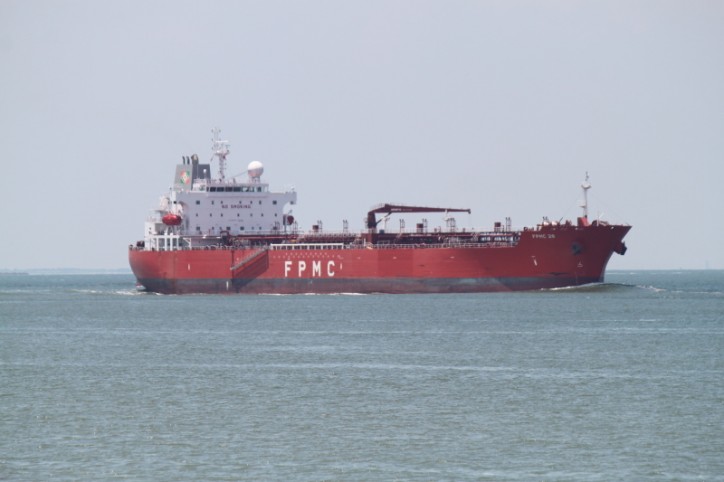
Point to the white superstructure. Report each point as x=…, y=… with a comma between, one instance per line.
x=199, y=209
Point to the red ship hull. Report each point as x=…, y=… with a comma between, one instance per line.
x=548, y=257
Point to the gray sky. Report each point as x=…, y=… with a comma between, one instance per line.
x=499, y=106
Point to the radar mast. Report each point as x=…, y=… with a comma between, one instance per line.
x=220, y=149
x=585, y=185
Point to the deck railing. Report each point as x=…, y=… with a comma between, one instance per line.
x=336, y=246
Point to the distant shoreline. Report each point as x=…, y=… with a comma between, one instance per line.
x=65, y=271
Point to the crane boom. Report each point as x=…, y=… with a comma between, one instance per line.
x=401, y=208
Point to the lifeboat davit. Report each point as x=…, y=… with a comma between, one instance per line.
x=171, y=219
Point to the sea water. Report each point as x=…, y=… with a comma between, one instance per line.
x=617, y=381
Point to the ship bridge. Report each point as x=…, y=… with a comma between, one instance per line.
x=199, y=205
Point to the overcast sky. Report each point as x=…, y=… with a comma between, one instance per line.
x=497, y=106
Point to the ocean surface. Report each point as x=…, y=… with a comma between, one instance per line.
x=618, y=381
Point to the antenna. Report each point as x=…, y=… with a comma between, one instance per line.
x=585, y=185
x=220, y=149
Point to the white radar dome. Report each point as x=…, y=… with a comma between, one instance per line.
x=255, y=169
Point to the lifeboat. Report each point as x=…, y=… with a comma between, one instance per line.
x=171, y=219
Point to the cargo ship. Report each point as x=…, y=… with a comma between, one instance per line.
x=235, y=235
